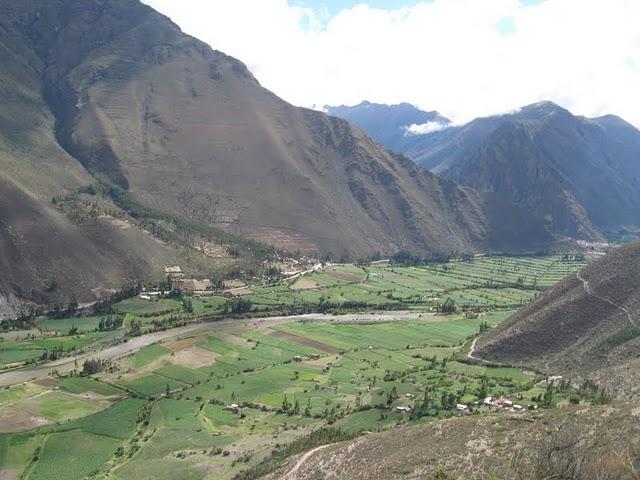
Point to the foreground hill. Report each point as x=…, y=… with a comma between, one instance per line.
x=111, y=94
x=588, y=325
x=577, y=443
x=582, y=174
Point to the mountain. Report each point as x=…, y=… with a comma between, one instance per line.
x=581, y=174
x=588, y=325
x=388, y=124
x=128, y=145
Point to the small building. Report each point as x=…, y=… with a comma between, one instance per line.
x=403, y=409
x=234, y=407
x=488, y=401
x=460, y=407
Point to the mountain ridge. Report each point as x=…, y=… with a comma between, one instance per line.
x=113, y=93
x=582, y=174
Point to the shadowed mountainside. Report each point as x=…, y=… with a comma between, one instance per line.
x=112, y=92
x=581, y=174
x=588, y=326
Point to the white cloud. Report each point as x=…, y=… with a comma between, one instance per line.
x=444, y=55
x=424, y=128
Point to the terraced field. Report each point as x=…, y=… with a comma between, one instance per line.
x=210, y=405
x=482, y=283
x=287, y=378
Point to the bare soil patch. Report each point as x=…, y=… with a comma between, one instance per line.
x=305, y=341
x=347, y=277
x=14, y=419
x=9, y=473
x=46, y=382
x=239, y=341
x=239, y=292
x=177, y=345
x=194, y=357
x=304, y=284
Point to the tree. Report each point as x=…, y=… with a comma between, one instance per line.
x=238, y=305
x=91, y=366
x=73, y=330
x=392, y=396
x=187, y=305
x=285, y=404
x=449, y=306
x=482, y=393
x=72, y=308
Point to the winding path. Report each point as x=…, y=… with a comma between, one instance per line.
x=589, y=291
x=471, y=356
x=291, y=473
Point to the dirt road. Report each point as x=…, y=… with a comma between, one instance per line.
x=291, y=474
x=67, y=364
x=471, y=356
x=589, y=291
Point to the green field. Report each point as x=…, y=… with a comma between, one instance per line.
x=287, y=377
x=481, y=284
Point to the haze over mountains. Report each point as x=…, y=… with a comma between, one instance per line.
x=389, y=125
x=111, y=93
x=581, y=174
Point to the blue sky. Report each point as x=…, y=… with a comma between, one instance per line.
x=334, y=6
x=464, y=58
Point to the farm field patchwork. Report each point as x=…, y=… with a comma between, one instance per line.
x=265, y=387
x=211, y=405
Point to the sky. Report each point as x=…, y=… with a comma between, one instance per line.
x=464, y=58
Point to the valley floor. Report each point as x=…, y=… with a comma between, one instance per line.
x=234, y=398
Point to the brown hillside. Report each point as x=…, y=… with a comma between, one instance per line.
x=113, y=92
x=189, y=129
x=576, y=331
x=600, y=442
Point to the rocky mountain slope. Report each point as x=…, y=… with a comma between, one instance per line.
x=586, y=326
x=582, y=174
x=112, y=94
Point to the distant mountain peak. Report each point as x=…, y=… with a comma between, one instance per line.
x=389, y=124
x=542, y=109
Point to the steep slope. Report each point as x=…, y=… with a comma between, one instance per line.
x=582, y=174
x=588, y=325
x=109, y=103
x=43, y=255
x=388, y=124
x=189, y=130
